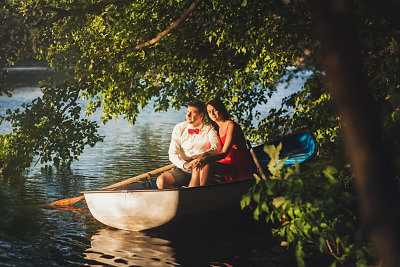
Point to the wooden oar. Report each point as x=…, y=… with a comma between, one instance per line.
x=258, y=165
x=72, y=201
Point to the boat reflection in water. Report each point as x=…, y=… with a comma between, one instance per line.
x=200, y=241
x=122, y=248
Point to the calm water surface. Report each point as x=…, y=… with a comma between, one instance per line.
x=34, y=234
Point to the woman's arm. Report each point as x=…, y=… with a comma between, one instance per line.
x=225, y=150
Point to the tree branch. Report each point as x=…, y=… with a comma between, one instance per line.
x=331, y=250
x=166, y=31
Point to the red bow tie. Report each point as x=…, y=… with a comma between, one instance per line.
x=193, y=131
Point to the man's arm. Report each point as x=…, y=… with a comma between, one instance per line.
x=214, y=142
x=215, y=145
x=174, y=151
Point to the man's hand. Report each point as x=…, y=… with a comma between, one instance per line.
x=201, y=161
x=192, y=164
x=197, y=162
x=189, y=164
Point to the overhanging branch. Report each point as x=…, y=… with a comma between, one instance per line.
x=166, y=31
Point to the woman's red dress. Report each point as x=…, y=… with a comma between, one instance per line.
x=236, y=165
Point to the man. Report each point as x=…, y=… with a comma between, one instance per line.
x=191, y=140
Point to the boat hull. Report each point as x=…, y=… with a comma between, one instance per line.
x=138, y=210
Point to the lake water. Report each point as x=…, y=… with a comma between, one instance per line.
x=34, y=234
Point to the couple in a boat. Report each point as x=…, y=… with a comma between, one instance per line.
x=201, y=152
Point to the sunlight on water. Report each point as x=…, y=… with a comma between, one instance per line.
x=122, y=248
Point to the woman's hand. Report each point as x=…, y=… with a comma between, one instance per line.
x=202, y=162
x=192, y=164
x=196, y=162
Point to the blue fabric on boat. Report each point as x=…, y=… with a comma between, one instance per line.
x=297, y=147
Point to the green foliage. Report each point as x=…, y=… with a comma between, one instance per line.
x=50, y=129
x=15, y=35
x=311, y=208
x=225, y=49
x=236, y=50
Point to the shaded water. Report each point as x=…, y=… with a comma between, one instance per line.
x=33, y=234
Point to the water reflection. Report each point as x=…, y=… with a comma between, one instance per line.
x=201, y=241
x=222, y=240
x=140, y=149
x=123, y=248
x=39, y=236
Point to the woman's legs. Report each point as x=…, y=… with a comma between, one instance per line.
x=195, y=180
x=205, y=175
x=201, y=176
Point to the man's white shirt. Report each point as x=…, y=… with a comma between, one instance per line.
x=185, y=146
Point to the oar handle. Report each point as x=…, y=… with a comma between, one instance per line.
x=141, y=176
x=72, y=201
x=258, y=165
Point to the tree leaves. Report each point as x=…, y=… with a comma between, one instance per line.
x=50, y=128
x=215, y=52
x=306, y=206
x=278, y=201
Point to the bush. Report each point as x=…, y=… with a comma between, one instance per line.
x=311, y=207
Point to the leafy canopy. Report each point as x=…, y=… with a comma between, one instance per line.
x=236, y=50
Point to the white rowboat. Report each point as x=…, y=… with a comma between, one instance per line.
x=136, y=208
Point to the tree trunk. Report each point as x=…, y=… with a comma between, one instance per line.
x=370, y=157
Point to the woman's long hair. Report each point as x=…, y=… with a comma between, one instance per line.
x=220, y=107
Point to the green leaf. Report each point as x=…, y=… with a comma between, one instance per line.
x=278, y=201
x=264, y=207
x=322, y=245
x=256, y=213
x=246, y=199
x=329, y=172
x=257, y=196
x=300, y=255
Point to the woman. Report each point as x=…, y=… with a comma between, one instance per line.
x=233, y=161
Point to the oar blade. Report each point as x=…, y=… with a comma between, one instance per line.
x=67, y=201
